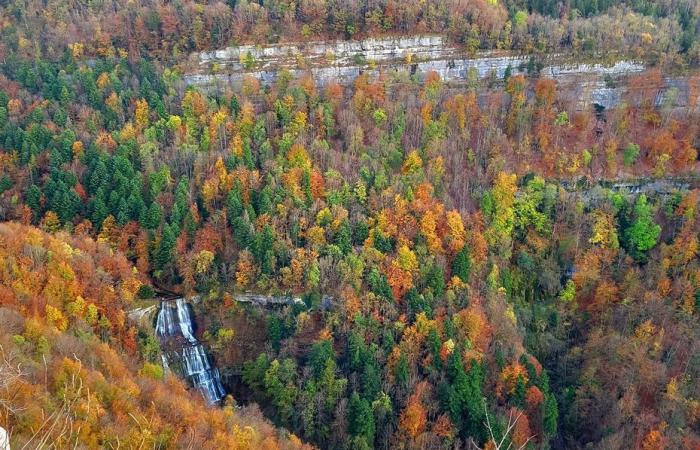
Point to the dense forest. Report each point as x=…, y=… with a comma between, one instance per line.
x=474, y=271
x=658, y=29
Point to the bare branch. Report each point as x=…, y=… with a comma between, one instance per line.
x=512, y=421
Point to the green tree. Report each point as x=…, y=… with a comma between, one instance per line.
x=343, y=238
x=320, y=353
x=357, y=351
x=254, y=372
x=151, y=217
x=234, y=204
x=465, y=396
x=436, y=280
x=165, y=248
x=98, y=209
x=379, y=284
x=234, y=106
x=331, y=386
x=384, y=244
x=401, y=371
x=279, y=381
x=630, y=154
x=262, y=249
x=274, y=332
x=644, y=233
x=33, y=199
x=360, y=418
x=550, y=415
x=98, y=176
x=461, y=265
x=158, y=180
x=371, y=380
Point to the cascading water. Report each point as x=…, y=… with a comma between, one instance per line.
x=175, y=326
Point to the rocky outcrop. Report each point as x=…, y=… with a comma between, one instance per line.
x=340, y=53
x=599, y=192
x=402, y=58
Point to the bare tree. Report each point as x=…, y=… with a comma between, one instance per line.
x=501, y=444
x=10, y=372
x=56, y=429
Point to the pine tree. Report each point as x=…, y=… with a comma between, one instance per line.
x=436, y=281
x=33, y=200
x=320, y=353
x=151, y=217
x=235, y=106
x=550, y=414
x=64, y=201
x=98, y=209
x=234, y=204
x=165, y=248
x=461, y=266
x=466, y=403
x=384, y=244
x=434, y=344
x=371, y=382
x=274, y=332
x=360, y=418
x=360, y=232
x=123, y=212
x=379, y=284
x=356, y=353
x=243, y=231
x=135, y=206
x=254, y=372
x=343, y=238
x=262, y=250
x=98, y=177
x=401, y=371
x=417, y=303
x=280, y=386
x=264, y=204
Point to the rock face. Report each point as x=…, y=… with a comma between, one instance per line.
x=412, y=57
x=599, y=191
x=342, y=53
x=402, y=58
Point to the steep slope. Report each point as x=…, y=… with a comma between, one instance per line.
x=69, y=371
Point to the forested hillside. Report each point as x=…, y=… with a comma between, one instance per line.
x=661, y=29
x=69, y=372
x=474, y=269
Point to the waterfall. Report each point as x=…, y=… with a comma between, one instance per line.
x=4, y=439
x=175, y=325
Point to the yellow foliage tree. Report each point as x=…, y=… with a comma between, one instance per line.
x=55, y=318
x=141, y=114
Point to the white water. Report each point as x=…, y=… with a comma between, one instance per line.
x=175, y=325
x=4, y=439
